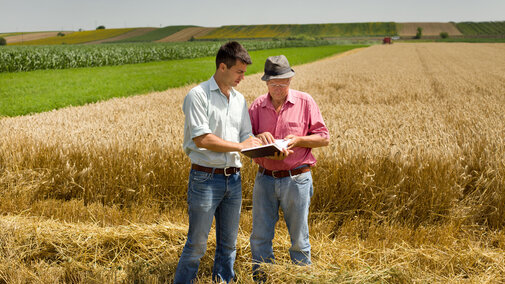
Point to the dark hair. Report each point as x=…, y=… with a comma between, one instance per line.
x=230, y=52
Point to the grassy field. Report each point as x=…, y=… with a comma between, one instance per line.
x=410, y=189
x=44, y=90
x=77, y=37
x=309, y=30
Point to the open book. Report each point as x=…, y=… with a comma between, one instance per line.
x=266, y=150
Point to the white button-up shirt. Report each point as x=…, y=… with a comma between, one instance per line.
x=208, y=110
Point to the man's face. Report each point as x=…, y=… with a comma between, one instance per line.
x=235, y=74
x=278, y=88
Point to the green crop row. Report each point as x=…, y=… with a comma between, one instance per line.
x=481, y=28
x=28, y=58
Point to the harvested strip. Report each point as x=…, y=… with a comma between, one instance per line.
x=32, y=36
x=186, y=34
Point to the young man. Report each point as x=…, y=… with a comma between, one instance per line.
x=216, y=127
x=284, y=180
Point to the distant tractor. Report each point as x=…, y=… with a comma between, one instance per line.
x=387, y=40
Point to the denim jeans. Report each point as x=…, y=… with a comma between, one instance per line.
x=293, y=195
x=211, y=195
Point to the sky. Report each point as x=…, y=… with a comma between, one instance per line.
x=71, y=15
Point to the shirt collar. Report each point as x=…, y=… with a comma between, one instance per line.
x=289, y=99
x=215, y=87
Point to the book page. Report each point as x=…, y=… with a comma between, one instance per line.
x=282, y=143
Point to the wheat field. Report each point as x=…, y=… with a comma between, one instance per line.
x=411, y=188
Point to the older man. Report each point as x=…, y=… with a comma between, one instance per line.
x=284, y=180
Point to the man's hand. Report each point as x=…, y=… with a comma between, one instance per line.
x=295, y=141
x=266, y=138
x=250, y=142
x=281, y=156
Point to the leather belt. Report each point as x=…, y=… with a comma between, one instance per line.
x=226, y=171
x=284, y=173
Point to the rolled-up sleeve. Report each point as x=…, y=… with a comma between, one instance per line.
x=316, y=123
x=195, y=110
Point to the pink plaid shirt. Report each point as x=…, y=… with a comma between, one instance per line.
x=299, y=116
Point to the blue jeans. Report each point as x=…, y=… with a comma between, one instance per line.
x=293, y=195
x=211, y=195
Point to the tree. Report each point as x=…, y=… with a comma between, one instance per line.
x=60, y=34
x=3, y=41
x=419, y=33
x=444, y=34
x=100, y=28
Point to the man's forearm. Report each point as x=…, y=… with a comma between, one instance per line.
x=313, y=141
x=214, y=143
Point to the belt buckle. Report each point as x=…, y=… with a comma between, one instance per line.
x=224, y=172
x=273, y=174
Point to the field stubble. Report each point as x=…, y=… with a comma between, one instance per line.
x=411, y=188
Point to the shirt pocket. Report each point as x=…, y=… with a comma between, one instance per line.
x=296, y=128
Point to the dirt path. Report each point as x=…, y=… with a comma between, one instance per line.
x=186, y=34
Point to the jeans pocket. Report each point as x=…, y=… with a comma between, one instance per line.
x=302, y=178
x=199, y=177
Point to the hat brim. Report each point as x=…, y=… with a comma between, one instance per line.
x=282, y=76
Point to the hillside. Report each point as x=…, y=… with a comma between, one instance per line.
x=23, y=37
x=134, y=33
x=186, y=34
x=482, y=28
x=460, y=30
x=429, y=29
x=156, y=34
x=7, y=34
x=79, y=37
x=312, y=30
